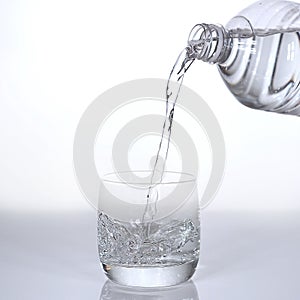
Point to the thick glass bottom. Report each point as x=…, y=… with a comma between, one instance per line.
x=150, y=276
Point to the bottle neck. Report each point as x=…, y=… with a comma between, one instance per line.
x=209, y=43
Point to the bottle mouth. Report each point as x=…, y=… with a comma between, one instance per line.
x=198, y=36
x=206, y=42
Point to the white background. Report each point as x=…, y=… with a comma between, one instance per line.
x=58, y=56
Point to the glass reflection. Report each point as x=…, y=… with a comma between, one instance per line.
x=113, y=291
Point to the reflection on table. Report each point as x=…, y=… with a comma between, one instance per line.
x=113, y=291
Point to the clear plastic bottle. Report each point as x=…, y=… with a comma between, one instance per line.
x=257, y=54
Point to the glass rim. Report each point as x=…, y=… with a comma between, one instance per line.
x=118, y=180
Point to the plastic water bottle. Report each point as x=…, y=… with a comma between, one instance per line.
x=257, y=54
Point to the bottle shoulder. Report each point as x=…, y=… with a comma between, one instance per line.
x=266, y=17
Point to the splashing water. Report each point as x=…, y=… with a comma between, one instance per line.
x=169, y=243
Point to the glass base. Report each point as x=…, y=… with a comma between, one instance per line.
x=150, y=276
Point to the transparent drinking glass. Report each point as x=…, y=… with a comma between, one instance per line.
x=148, y=237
